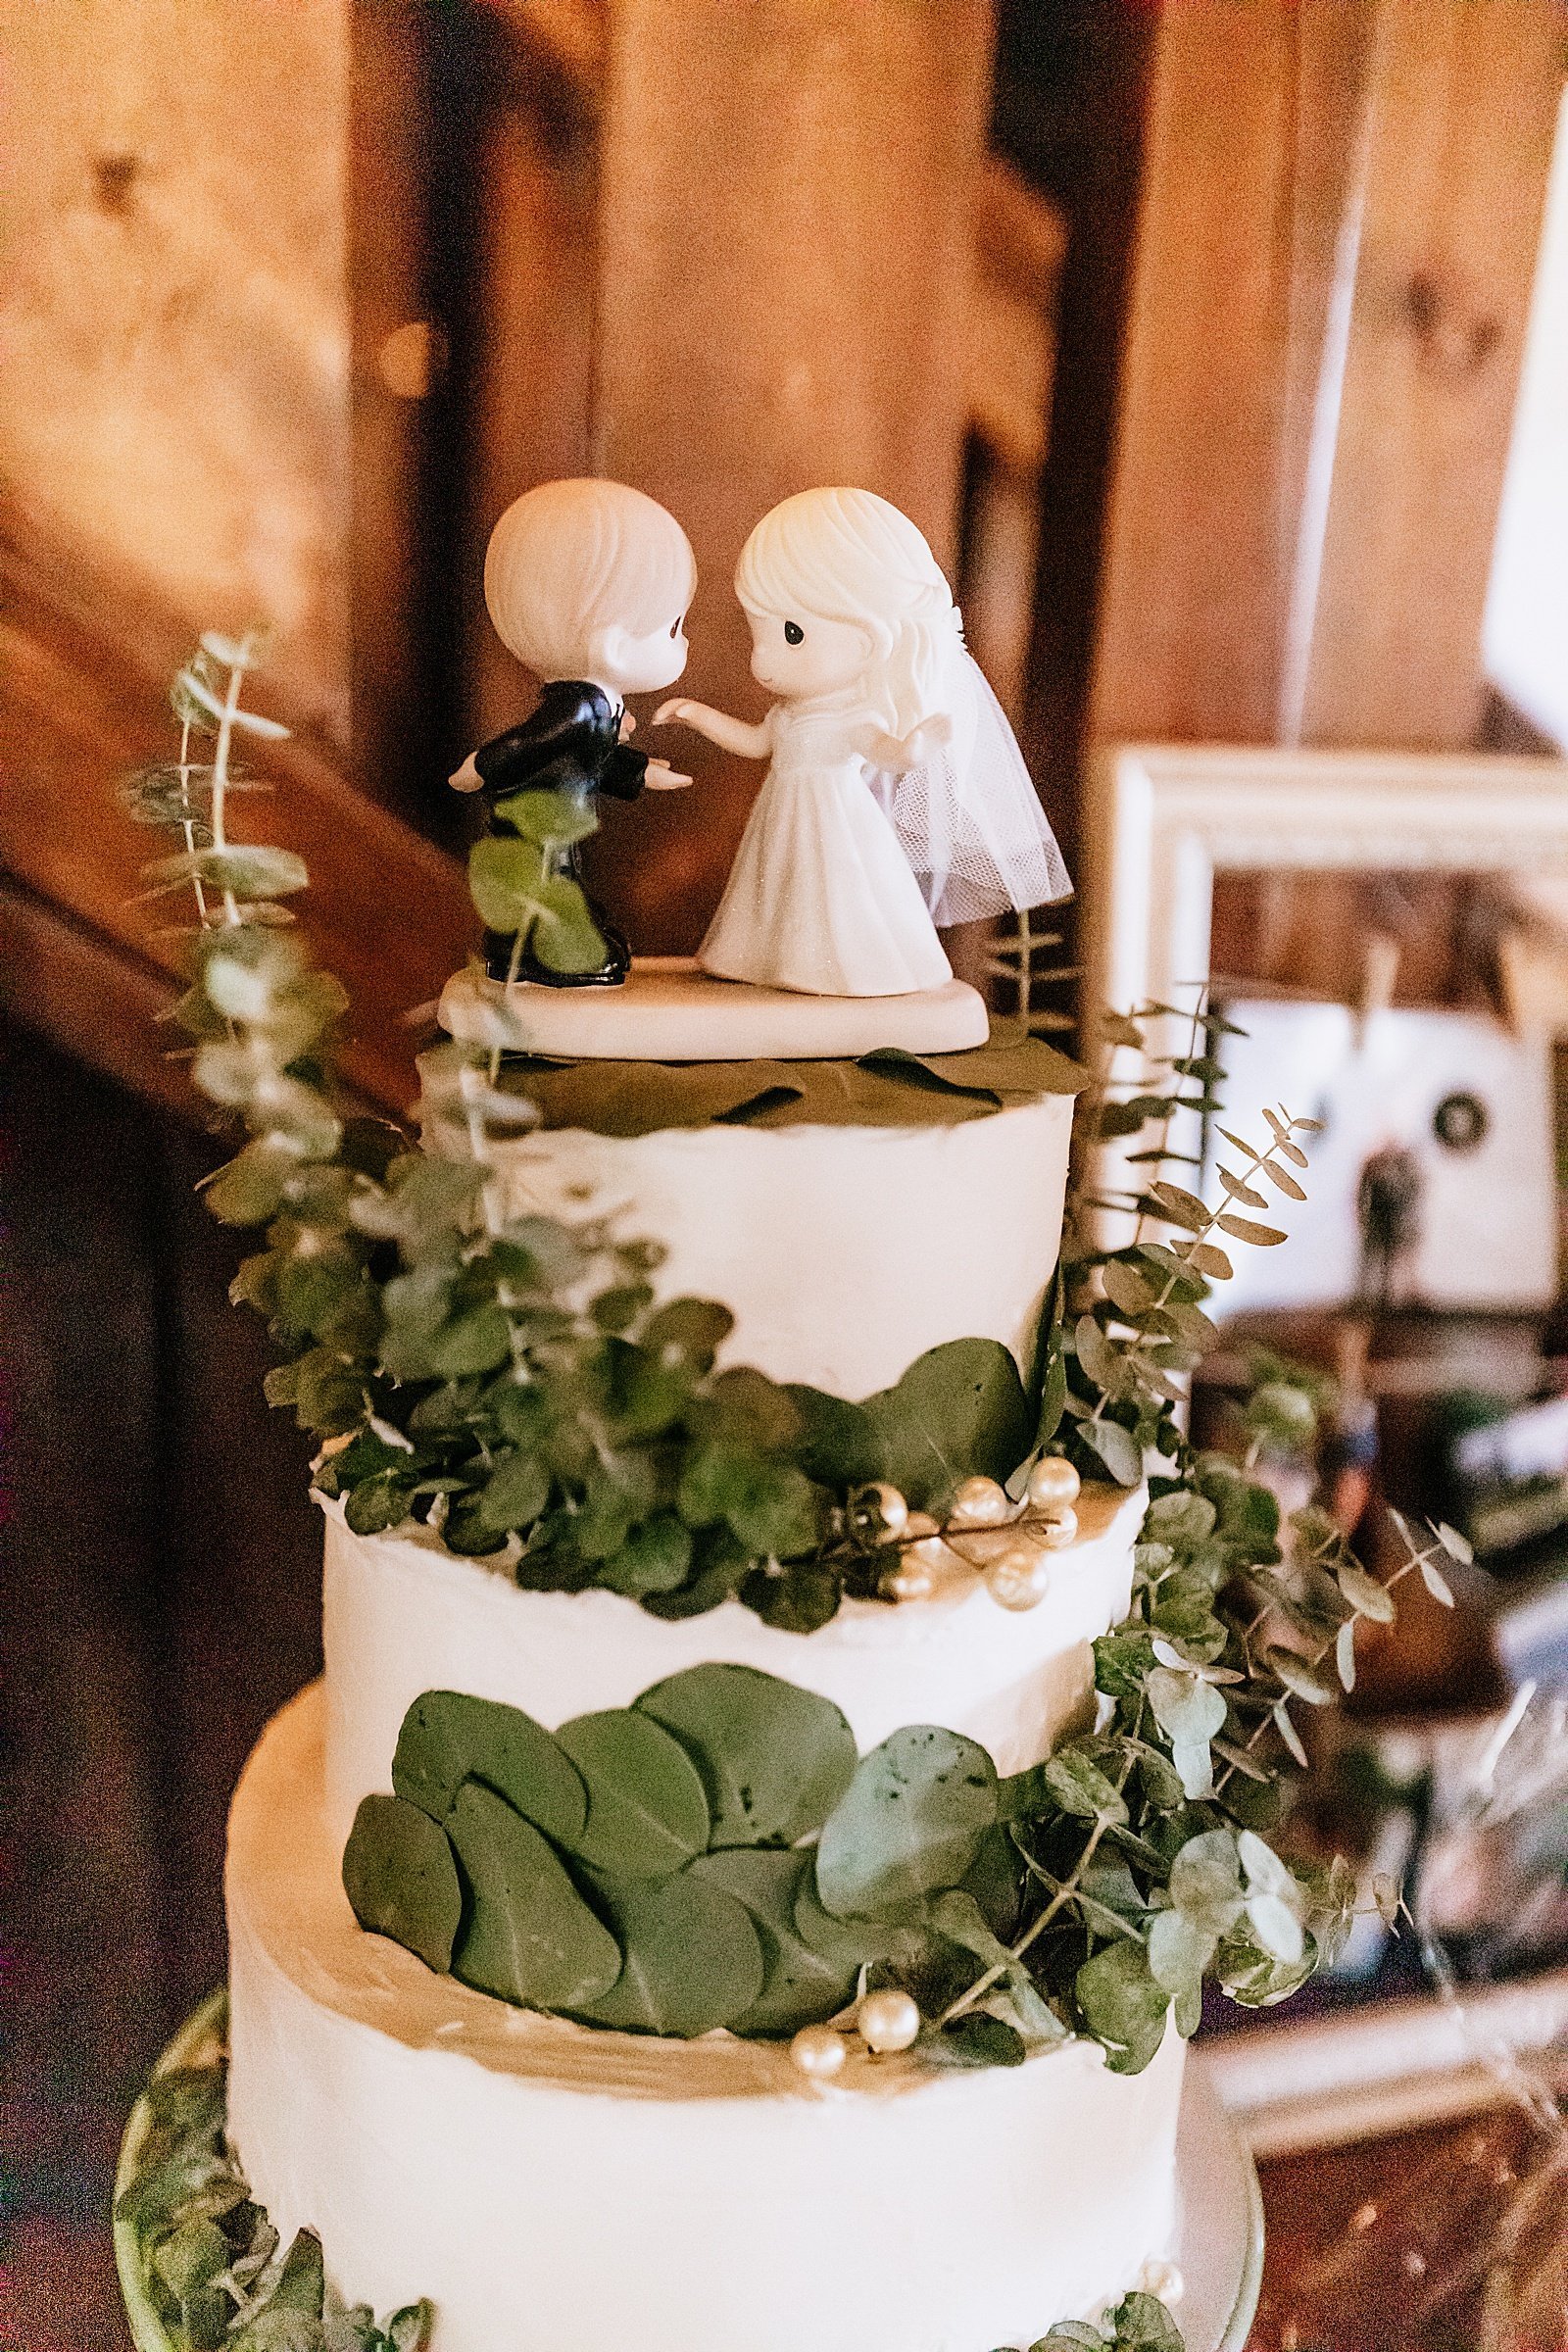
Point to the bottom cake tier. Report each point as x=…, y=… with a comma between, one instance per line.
x=553, y=2188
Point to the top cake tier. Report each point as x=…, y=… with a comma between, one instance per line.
x=850, y=1215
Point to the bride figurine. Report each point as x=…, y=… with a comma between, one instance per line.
x=896, y=798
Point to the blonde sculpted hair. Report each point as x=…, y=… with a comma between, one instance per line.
x=570, y=561
x=848, y=554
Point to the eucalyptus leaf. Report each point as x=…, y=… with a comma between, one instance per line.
x=800, y=1985
x=450, y=1737
x=1119, y=1452
x=1123, y=2006
x=973, y=2041
x=400, y=1879
x=693, y=1957
x=529, y=1936
x=847, y=1943
x=1081, y=1788
x=547, y=816
x=647, y=1810
x=910, y=1823
x=959, y=1411
x=774, y=1759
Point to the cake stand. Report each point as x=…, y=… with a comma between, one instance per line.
x=1219, y=2231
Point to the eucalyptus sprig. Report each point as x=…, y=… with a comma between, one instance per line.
x=207, y=2258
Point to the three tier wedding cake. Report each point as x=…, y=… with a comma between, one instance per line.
x=781, y=1776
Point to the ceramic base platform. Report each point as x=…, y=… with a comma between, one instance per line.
x=1219, y=2234
x=670, y=1011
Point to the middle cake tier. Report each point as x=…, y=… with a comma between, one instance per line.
x=403, y=1616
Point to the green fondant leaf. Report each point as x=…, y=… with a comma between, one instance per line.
x=800, y=1985
x=647, y=1813
x=960, y=1410
x=398, y=1876
x=694, y=1960
x=774, y=1759
x=530, y=1935
x=910, y=1822
x=448, y=1737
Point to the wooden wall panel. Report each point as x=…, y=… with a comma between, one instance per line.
x=175, y=311
x=1460, y=110
x=533, y=365
x=785, y=211
x=78, y=707
x=1332, y=277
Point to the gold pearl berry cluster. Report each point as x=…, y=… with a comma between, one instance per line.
x=1009, y=1545
x=884, y=2022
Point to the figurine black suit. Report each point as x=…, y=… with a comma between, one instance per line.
x=571, y=744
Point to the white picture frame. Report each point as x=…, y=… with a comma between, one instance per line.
x=1162, y=819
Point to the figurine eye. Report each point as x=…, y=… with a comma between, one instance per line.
x=793, y=634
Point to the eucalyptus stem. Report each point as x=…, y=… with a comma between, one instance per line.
x=225, y=732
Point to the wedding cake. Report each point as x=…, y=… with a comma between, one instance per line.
x=781, y=1776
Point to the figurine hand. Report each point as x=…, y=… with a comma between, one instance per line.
x=468, y=777
x=628, y=726
x=660, y=776
x=671, y=711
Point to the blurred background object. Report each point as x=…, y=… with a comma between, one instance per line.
x=1217, y=345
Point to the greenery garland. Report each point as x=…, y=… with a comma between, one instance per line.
x=204, y=2259
x=511, y=1382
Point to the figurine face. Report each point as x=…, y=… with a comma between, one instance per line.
x=806, y=656
x=641, y=664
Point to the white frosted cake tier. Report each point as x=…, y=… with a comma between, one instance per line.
x=402, y=1616
x=557, y=2189
x=843, y=1252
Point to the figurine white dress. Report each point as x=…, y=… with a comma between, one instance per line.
x=821, y=898
x=896, y=798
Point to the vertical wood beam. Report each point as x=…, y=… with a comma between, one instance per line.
x=784, y=247
x=1332, y=278
x=1460, y=111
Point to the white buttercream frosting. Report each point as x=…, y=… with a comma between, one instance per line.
x=556, y=2189
x=843, y=1252
x=403, y=1616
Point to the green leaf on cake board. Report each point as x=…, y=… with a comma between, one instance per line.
x=398, y=1876
x=801, y=1986
x=911, y=1823
x=774, y=1759
x=529, y=1936
x=647, y=1813
x=694, y=1960
x=449, y=1737
x=959, y=1411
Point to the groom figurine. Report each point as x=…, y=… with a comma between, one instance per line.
x=587, y=582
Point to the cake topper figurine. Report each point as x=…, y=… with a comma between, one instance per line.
x=588, y=583
x=896, y=797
